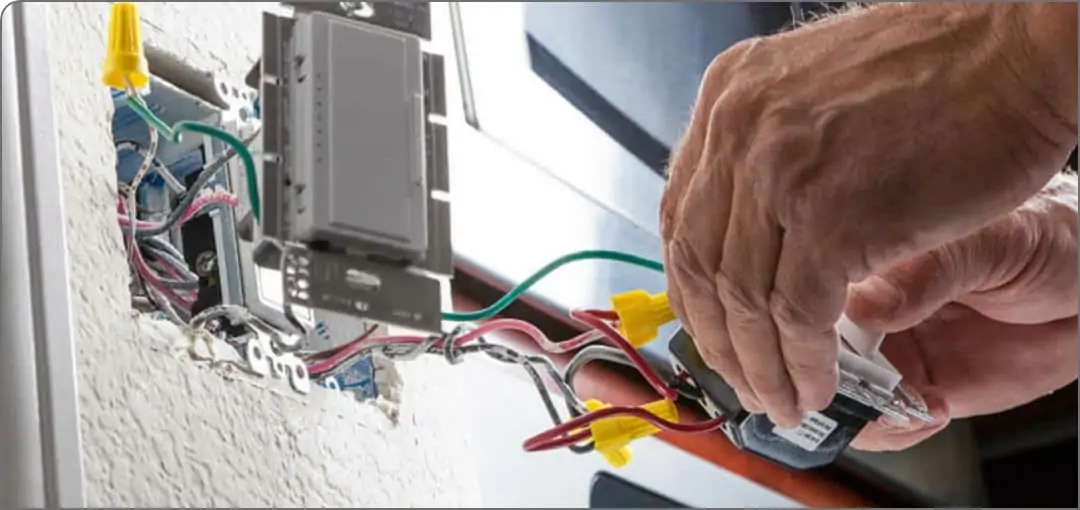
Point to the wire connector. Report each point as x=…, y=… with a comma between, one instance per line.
x=125, y=60
x=641, y=315
x=611, y=436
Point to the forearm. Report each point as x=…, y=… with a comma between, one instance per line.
x=1022, y=56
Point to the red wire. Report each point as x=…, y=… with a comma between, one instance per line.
x=565, y=441
x=144, y=270
x=616, y=339
x=336, y=350
x=608, y=315
x=568, y=433
x=317, y=367
x=532, y=332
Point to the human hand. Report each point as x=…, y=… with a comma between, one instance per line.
x=983, y=324
x=817, y=157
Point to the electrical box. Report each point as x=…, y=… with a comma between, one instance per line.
x=206, y=243
x=353, y=229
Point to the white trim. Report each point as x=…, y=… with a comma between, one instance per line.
x=517, y=108
x=45, y=244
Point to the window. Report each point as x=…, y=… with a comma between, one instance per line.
x=634, y=68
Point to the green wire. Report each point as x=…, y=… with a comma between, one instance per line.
x=516, y=292
x=172, y=133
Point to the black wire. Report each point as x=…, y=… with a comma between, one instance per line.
x=499, y=353
x=545, y=394
x=287, y=311
x=165, y=306
x=613, y=355
x=208, y=173
x=164, y=257
x=595, y=353
x=166, y=247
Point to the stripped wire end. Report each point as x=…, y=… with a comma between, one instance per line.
x=612, y=436
x=574, y=431
x=641, y=315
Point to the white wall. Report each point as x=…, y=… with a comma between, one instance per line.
x=160, y=431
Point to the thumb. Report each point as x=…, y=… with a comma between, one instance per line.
x=910, y=292
x=885, y=435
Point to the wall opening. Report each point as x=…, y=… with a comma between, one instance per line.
x=194, y=265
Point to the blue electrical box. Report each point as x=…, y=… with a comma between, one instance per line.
x=132, y=136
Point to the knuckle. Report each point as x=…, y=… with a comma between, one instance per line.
x=942, y=261
x=790, y=314
x=743, y=305
x=736, y=106
x=716, y=75
x=723, y=65
x=720, y=95
x=667, y=218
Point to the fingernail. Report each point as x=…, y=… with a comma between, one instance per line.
x=882, y=296
x=893, y=422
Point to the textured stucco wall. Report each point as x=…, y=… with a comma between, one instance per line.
x=161, y=431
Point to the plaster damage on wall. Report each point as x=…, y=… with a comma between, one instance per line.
x=162, y=431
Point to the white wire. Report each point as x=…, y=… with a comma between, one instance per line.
x=156, y=165
x=133, y=190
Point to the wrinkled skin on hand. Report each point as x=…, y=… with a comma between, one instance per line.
x=983, y=324
x=820, y=156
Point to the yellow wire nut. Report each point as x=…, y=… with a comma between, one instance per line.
x=611, y=436
x=641, y=315
x=124, y=55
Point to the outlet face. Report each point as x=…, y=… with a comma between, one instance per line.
x=355, y=173
x=356, y=120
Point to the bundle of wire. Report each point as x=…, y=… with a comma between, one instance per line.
x=574, y=433
x=167, y=281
